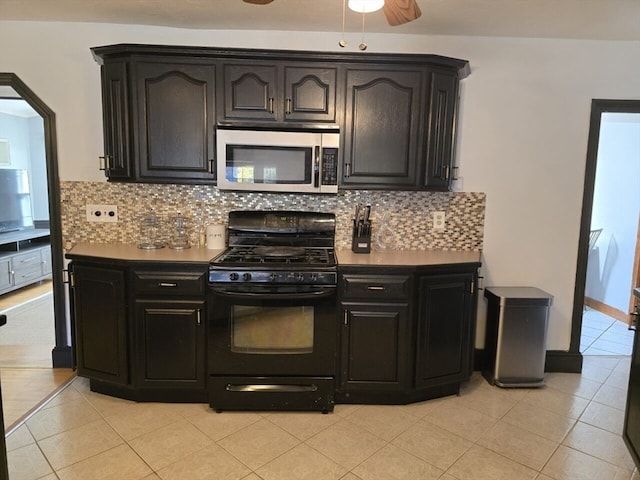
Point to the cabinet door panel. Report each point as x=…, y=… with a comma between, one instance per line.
x=310, y=94
x=176, y=118
x=115, y=111
x=444, y=329
x=6, y=278
x=374, y=351
x=441, y=129
x=382, y=124
x=250, y=92
x=100, y=323
x=171, y=343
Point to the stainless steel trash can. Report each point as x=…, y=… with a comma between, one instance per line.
x=516, y=335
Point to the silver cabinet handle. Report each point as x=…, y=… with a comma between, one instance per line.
x=198, y=317
x=634, y=322
x=376, y=288
x=271, y=105
x=287, y=110
x=167, y=284
x=346, y=318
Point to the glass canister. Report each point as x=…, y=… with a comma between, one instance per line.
x=150, y=237
x=179, y=232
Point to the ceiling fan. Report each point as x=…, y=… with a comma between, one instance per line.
x=396, y=11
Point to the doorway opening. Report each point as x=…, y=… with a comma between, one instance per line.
x=12, y=86
x=608, y=250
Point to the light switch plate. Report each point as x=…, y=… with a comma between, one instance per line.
x=438, y=220
x=102, y=213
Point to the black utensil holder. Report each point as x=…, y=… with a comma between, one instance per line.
x=360, y=244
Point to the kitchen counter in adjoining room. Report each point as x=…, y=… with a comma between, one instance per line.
x=131, y=253
x=406, y=258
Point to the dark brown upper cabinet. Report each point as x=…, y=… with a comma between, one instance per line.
x=440, y=128
x=175, y=121
x=383, y=120
x=396, y=112
x=275, y=92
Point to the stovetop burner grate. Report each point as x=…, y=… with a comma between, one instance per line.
x=283, y=255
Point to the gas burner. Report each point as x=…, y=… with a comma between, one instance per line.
x=279, y=251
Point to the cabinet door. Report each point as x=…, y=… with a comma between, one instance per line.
x=374, y=350
x=115, y=115
x=310, y=94
x=99, y=317
x=46, y=261
x=6, y=274
x=443, y=347
x=175, y=121
x=170, y=344
x=382, y=124
x=443, y=98
x=250, y=92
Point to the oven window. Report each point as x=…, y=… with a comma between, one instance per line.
x=264, y=164
x=277, y=330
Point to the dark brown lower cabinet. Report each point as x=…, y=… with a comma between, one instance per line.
x=444, y=329
x=171, y=342
x=140, y=331
x=405, y=336
x=374, y=347
x=98, y=298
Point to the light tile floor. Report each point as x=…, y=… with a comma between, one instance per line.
x=603, y=335
x=569, y=429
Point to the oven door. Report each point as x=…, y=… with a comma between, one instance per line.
x=272, y=331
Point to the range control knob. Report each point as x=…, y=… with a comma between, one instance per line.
x=313, y=277
x=233, y=276
x=273, y=277
x=300, y=277
x=246, y=277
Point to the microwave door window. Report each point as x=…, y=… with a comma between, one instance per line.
x=268, y=165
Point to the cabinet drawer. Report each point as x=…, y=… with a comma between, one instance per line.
x=159, y=283
x=378, y=287
x=25, y=261
x=28, y=274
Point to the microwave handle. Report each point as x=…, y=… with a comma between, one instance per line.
x=316, y=167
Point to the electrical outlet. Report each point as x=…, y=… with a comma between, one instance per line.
x=102, y=213
x=438, y=220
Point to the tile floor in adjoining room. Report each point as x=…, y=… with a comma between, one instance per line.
x=603, y=335
x=569, y=429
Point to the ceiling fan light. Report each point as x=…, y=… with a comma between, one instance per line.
x=365, y=6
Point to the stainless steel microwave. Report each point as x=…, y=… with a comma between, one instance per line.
x=277, y=160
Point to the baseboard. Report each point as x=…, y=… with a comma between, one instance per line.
x=607, y=310
x=555, y=361
x=561, y=361
x=62, y=357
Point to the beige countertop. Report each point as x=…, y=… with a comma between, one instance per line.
x=398, y=258
x=409, y=258
x=131, y=252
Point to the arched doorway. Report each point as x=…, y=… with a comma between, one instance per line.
x=61, y=354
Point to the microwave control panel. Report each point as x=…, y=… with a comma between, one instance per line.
x=329, y=166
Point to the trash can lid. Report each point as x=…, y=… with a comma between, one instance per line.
x=518, y=295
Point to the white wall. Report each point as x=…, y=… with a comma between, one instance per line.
x=522, y=134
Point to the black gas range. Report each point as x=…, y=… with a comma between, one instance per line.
x=277, y=248
x=272, y=313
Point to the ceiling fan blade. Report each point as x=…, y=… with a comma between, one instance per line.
x=258, y=2
x=401, y=11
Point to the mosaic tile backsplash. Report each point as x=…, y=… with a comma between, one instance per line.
x=409, y=215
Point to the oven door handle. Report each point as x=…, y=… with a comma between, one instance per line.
x=327, y=292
